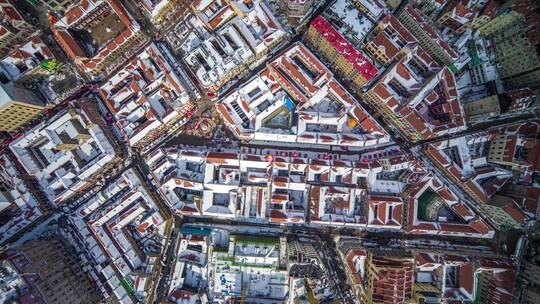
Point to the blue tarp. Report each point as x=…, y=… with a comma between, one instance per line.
x=289, y=104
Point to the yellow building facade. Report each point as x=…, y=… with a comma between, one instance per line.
x=482, y=108
x=14, y=114
x=498, y=23
x=340, y=65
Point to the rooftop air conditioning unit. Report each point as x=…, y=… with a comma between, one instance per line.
x=442, y=219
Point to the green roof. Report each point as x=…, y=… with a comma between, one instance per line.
x=126, y=285
x=256, y=239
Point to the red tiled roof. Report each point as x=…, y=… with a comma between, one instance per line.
x=491, y=7
x=360, y=63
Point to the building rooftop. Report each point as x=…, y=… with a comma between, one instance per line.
x=349, y=21
x=390, y=37
x=222, y=36
x=256, y=262
x=435, y=209
x=25, y=58
x=13, y=284
x=425, y=97
x=457, y=14
x=94, y=32
x=325, y=191
x=33, y=63
x=297, y=99
x=464, y=277
x=413, y=13
x=120, y=231
x=344, y=47
x=145, y=95
x=19, y=207
x=65, y=152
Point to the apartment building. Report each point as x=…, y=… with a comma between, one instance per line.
x=189, y=271
x=389, y=277
x=52, y=273
x=348, y=62
x=248, y=268
x=113, y=33
x=434, y=209
x=512, y=151
x=471, y=170
x=457, y=16
x=19, y=206
x=418, y=97
x=389, y=40
x=355, y=193
x=146, y=97
x=465, y=279
x=18, y=106
x=297, y=9
x=224, y=38
x=517, y=56
x=120, y=234
x=486, y=14
x=23, y=60
x=296, y=99
x=57, y=5
x=481, y=109
x=428, y=38
x=163, y=11
x=66, y=153
x=14, y=30
x=498, y=20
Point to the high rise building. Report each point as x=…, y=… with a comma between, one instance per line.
x=494, y=281
x=517, y=53
x=52, y=273
x=497, y=20
x=17, y=106
x=515, y=36
x=430, y=41
x=531, y=276
x=511, y=151
x=389, y=277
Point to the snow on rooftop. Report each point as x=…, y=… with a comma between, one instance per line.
x=353, y=24
x=321, y=111
x=63, y=152
x=289, y=193
x=129, y=228
x=235, y=42
x=344, y=47
x=18, y=200
x=145, y=95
